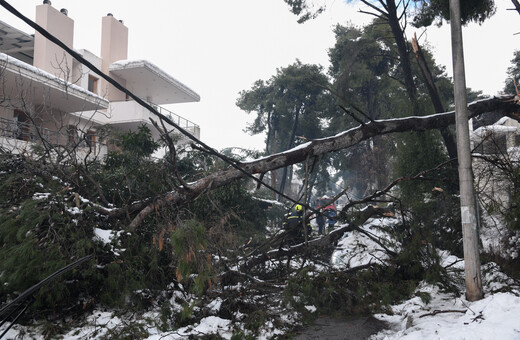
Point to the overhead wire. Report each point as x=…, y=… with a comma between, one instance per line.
x=16, y=304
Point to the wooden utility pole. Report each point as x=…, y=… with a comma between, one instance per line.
x=467, y=197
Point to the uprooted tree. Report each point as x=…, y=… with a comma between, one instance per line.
x=314, y=148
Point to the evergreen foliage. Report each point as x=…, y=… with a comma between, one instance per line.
x=330, y=293
x=129, y=173
x=289, y=108
x=416, y=152
x=362, y=69
x=513, y=73
x=46, y=225
x=288, y=105
x=471, y=10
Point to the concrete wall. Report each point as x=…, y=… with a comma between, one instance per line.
x=81, y=73
x=114, y=47
x=47, y=55
x=502, y=140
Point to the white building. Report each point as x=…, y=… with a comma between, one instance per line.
x=495, y=142
x=46, y=95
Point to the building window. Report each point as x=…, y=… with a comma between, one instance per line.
x=495, y=145
x=91, y=139
x=92, y=84
x=73, y=135
x=21, y=127
x=517, y=140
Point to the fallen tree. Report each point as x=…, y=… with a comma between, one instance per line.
x=319, y=244
x=505, y=105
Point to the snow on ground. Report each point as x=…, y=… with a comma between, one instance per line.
x=356, y=249
x=431, y=314
x=445, y=317
x=207, y=326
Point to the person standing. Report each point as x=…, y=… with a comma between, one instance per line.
x=294, y=222
x=320, y=220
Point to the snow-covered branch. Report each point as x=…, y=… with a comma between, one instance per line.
x=504, y=105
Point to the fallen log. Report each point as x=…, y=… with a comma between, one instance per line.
x=504, y=105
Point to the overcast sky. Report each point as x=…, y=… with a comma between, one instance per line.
x=219, y=48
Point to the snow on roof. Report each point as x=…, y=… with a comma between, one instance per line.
x=141, y=63
x=497, y=128
x=12, y=63
x=502, y=121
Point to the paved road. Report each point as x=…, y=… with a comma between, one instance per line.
x=354, y=328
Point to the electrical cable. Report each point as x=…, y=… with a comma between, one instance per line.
x=43, y=282
x=16, y=318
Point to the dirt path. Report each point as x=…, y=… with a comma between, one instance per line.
x=354, y=328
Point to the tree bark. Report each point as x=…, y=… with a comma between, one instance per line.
x=517, y=5
x=504, y=105
x=449, y=139
x=402, y=48
x=404, y=58
x=273, y=173
x=289, y=146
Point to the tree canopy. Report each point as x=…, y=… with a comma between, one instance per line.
x=431, y=11
x=513, y=73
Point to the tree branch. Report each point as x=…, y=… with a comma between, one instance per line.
x=504, y=105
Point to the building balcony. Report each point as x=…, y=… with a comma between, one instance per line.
x=129, y=115
x=147, y=80
x=23, y=137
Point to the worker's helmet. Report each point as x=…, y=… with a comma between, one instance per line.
x=298, y=208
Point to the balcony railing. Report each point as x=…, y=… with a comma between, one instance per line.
x=127, y=113
x=180, y=121
x=28, y=132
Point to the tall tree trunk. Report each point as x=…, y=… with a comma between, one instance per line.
x=402, y=48
x=315, y=148
x=273, y=173
x=283, y=180
x=404, y=56
x=517, y=5
x=449, y=139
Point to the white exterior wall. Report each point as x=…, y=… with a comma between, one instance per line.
x=493, y=184
x=52, y=111
x=81, y=73
x=47, y=55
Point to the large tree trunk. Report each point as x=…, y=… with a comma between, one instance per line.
x=283, y=181
x=449, y=139
x=404, y=57
x=402, y=48
x=273, y=173
x=517, y=5
x=314, y=148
